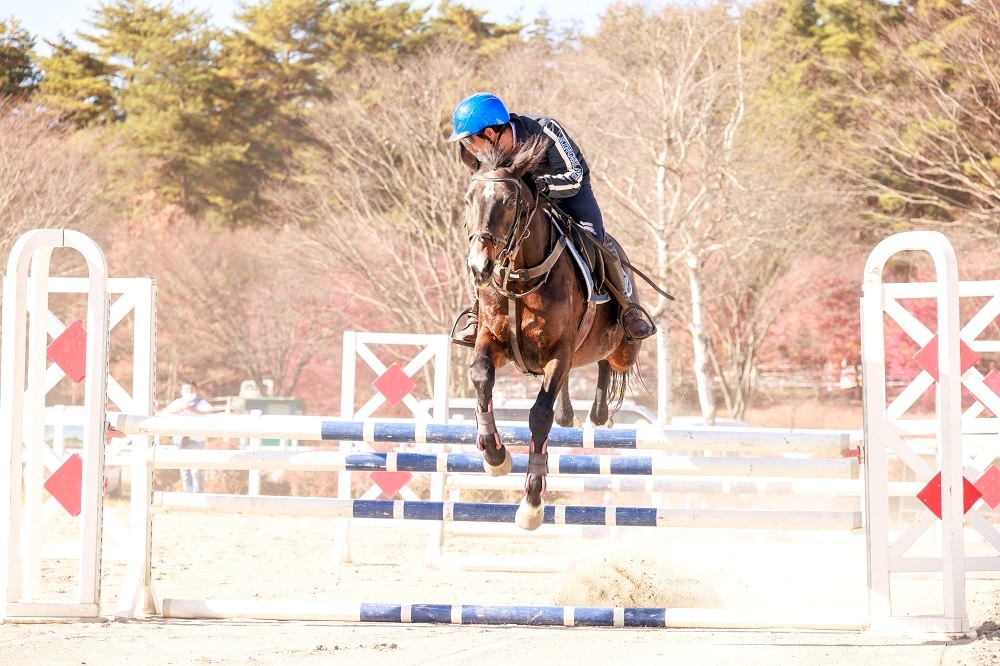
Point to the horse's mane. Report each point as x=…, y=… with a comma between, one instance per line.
x=527, y=152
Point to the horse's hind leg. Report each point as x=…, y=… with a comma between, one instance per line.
x=482, y=372
x=531, y=512
x=599, y=411
x=565, y=415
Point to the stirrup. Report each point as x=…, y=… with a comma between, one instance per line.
x=635, y=307
x=454, y=328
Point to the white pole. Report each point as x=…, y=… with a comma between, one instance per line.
x=342, y=535
x=137, y=589
x=34, y=431
x=13, y=360
x=253, y=489
x=95, y=424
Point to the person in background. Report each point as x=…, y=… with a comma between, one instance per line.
x=190, y=404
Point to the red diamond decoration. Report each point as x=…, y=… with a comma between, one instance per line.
x=390, y=482
x=69, y=351
x=394, y=384
x=931, y=495
x=989, y=485
x=992, y=381
x=66, y=483
x=927, y=358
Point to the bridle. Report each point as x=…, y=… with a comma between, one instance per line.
x=522, y=210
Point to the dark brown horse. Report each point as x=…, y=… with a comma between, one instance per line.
x=533, y=310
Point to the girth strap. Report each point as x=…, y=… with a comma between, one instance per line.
x=504, y=274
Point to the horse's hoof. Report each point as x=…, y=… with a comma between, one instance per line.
x=499, y=470
x=529, y=517
x=576, y=423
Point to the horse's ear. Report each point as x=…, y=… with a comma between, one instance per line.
x=531, y=155
x=468, y=159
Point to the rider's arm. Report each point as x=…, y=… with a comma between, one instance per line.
x=565, y=172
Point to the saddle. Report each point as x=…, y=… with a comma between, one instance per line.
x=583, y=247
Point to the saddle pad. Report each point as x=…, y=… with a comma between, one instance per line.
x=578, y=260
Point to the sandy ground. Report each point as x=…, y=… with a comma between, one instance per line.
x=254, y=557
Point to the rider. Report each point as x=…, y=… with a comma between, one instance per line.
x=482, y=119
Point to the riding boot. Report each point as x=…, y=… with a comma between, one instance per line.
x=467, y=335
x=634, y=319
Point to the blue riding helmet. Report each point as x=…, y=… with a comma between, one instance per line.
x=477, y=112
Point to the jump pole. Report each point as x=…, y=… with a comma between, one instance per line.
x=371, y=431
x=538, y=616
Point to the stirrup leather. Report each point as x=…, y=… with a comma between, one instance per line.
x=470, y=318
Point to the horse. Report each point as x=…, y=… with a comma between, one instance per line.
x=533, y=311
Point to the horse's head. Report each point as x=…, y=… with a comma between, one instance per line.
x=498, y=203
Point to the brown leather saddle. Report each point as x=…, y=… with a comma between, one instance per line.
x=588, y=257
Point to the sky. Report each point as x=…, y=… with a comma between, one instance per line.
x=47, y=18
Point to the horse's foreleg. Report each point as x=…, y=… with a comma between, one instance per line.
x=565, y=415
x=482, y=372
x=531, y=512
x=599, y=410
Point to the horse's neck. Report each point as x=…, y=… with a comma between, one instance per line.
x=536, y=246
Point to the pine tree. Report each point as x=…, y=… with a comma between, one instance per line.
x=372, y=29
x=17, y=68
x=169, y=96
x=457, y=23
x=77, y=85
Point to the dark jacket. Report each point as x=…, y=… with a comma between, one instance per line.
x=565, y=170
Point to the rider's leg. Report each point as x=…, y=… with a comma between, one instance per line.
x=583, y=208
x=633, y=319
x=467, y=335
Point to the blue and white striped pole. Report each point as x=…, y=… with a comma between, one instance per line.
x=559, y=514
x=315, y=428
x=472, y=463
x=539, y=616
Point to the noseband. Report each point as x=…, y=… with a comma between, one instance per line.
x=510, y=243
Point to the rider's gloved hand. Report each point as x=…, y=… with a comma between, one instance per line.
x=543, y=187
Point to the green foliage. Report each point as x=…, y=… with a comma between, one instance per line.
x=169, y=94
x=17, y=68
x=77, y=85
x=460, y=24
x=372, y=29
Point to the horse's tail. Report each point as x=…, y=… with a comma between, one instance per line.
x=621, y=382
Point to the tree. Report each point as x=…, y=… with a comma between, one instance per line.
x=274, y=65
x=386, y=203
x=677, y=80
x=361, y=30
x=170, y=96
x=463, y=25
x=18, y=76
x=241, y=307
x=47, y=180
x=77, y=86
x=928, y=152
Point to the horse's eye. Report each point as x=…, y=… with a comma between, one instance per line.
x=509, y=203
